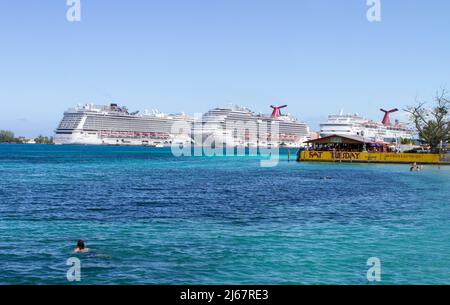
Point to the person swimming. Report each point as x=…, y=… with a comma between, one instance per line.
x=81, y=248
x=415, y=167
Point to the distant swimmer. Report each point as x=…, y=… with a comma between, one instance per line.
x=81, y=248
x=415, y=167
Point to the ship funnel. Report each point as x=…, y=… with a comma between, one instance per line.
x=276, y=110
x=387, y=119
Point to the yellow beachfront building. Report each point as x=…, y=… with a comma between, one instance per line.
x=339, y=148
x=329, y=156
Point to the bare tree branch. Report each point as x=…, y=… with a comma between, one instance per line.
x=433, y=125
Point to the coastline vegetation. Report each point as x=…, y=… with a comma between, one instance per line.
x=44, y=140
x=7, y=136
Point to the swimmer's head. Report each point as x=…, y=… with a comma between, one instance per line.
x=80, y=244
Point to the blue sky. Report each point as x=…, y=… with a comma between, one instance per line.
x=317, y=56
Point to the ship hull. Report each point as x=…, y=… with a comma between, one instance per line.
x=96, y=139
x=224, y=139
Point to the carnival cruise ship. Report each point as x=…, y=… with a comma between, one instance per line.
x=233, y=125
x=353, y=124
x=114, y=125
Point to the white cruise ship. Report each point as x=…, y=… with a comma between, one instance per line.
x=114, y=125
x=219, y=126
x=353, y=124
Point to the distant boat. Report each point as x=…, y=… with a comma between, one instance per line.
x=214, y=127
x=114, y=125
x=355, y=125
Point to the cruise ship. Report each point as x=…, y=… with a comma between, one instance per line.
x=233, y=125
x=114, y=125
x=354, y=124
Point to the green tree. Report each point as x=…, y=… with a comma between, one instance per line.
x=7, y=136
x=432, y=124
x=406, y=141
x=43, y=140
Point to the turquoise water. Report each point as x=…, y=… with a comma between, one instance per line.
x=152, y=218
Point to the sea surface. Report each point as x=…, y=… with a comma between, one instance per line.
x=152, y=218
